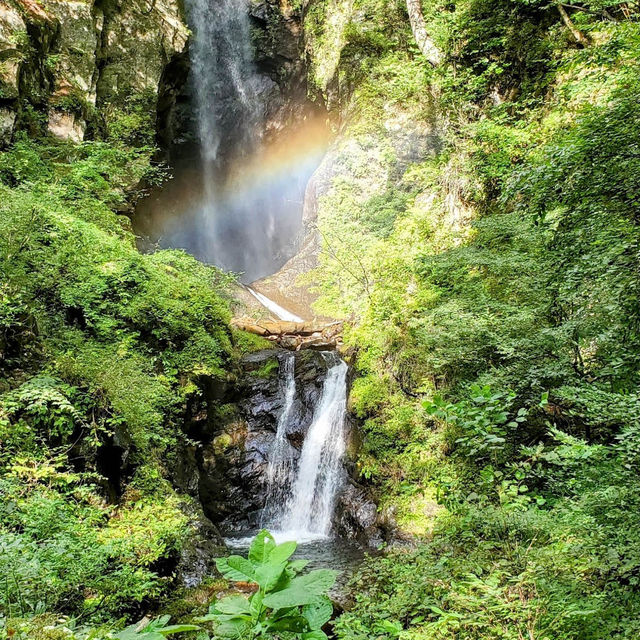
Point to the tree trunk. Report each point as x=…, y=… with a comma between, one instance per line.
x=575, y=32
x=419, y=28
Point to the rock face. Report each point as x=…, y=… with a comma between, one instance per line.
x=278, y=40
x=237, y=432
x=81, y=62
x=357, y=518
x=233, y=462
x=367, y=162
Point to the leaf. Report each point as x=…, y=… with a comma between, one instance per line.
x=318, y=613
x=236, y=568
x=268, y=575
x=255, y=603
x=178, y=628
x=302, y=589
x=261, y=547
x=236, y=628
x=282, y=552
x=293, y=622
x=315, y=635
x=154, y=630
x=233, y=605
x=297, y=565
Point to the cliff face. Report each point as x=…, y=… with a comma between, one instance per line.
x=68, y=66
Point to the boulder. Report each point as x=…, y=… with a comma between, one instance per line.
x=357, y=517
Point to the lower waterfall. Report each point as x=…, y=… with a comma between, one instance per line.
x=301, y=497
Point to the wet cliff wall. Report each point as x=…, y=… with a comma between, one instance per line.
x=77, y=68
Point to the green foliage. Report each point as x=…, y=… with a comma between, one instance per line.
x=484, y=421
x=46, y=628
x=65, y=549
x=155, y=630
x=286, y=603
x=42, y=404
x=499, y=268
x=268, y=369
x=98, y=344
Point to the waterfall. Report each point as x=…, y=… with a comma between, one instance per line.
x=276, y=309
x=223, y=76
x=281, y=460
x=306, y=493
x=229, y=112
x=243, y=156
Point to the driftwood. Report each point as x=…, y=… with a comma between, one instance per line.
x=295, y=335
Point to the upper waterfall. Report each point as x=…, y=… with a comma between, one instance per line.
x=224, y=79
x=244, y=150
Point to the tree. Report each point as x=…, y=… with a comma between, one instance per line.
x=423, y=39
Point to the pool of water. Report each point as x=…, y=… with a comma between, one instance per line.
x=321, y=552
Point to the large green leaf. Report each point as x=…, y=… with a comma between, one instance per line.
x=255, y=603
x=296, y=566
x=292, y=623
x=233, y=605
x=282, y=552
x=318, y=612
x=302, y=589
x=315, y=635
x=261, y=547
x=268, y=575
x=236, y=628
x=236, y=568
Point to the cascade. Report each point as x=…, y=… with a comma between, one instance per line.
x=280, y=312
x=281, y=456
x=227, y=105
x=302, y=498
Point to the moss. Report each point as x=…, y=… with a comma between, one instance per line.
x=246, y=342
x=268, y=369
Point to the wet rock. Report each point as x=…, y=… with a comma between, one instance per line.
x=357, y=517
x=278, y=40
x=197, y=556
x=233, y=463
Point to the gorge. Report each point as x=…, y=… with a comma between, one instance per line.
x=360, y=272
x=247, y=217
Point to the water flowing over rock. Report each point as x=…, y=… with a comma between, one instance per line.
x=281, y=462
x=246, y=143
x=309, y=509
x=225, y=83
x=280, y=458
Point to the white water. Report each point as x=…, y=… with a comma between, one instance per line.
x=275, y=308
x=306, y=494
x=281, y=455
x=225, y=82
x=229, y=113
